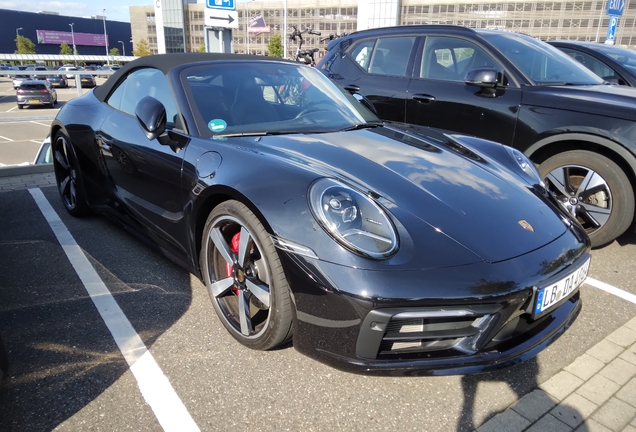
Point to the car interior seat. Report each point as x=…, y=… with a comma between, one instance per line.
x=378, y=63
x=249, y=106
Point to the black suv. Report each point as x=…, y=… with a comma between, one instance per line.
x=510, y=88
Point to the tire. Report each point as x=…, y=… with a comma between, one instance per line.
x=253, y=302
x=20, y=106
x=594, y=189
x=68, y=176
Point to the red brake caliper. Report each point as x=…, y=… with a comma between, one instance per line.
x=234, y=245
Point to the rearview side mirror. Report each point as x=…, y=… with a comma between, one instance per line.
x=151, y=115
x=484, y=77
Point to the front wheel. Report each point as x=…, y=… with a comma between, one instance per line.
x=594, y=189
x=245, y=278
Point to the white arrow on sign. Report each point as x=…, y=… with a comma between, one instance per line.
x=221, y=18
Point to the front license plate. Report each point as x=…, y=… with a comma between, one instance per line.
x=560, y=290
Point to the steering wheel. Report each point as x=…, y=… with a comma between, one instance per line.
x=315, y=107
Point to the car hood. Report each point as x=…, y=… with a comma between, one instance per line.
x=469, y=197
x=606, y=100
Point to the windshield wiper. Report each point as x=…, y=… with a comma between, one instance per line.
x=369, y=125
x=560, y=83
x=248, y=134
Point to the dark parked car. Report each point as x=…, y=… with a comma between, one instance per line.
x=612, y=63
x=87, y=81
x=36, y=92
x=383, y=248
x=39, y=76
x=57, y=80
x=509, y=88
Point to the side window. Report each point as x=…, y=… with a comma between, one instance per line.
x=447, y=58
x=596, y=66
x=361, y=53
x=391, y=55
x=141, y=83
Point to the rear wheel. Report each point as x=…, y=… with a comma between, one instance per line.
x=245, y=278
x=594, y=189
x=20, y=106
x=68, y=176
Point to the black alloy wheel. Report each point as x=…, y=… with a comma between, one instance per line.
x=245, y=278
x=594, y=189
x=68, y=177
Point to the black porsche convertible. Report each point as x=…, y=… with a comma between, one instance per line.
x=381, y=248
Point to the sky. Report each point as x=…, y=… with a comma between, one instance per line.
x=116, y=10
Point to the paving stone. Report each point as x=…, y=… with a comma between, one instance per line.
x=598, y=389
x=585, y=366
x=615, y=414
x=619, y=371
x=631, y=323
x=592, y=426
x=549, y=423
x=534, y=405
x=629, y=428
x=508, y=421
x=629, y=355
x=561, y=385
x=573, y=410
x=628, y=393
x=623, y=336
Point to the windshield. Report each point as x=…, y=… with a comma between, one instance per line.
x=540, y=62
x=263, y=97
x=625, y=57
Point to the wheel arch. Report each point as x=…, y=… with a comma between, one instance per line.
x=547, y=147
x=214, y=196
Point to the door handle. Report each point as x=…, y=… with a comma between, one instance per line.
x=424, y=98
x=352, y=88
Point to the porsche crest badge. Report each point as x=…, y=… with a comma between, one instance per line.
x=525, y=225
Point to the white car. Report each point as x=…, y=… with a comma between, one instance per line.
x=68, y=68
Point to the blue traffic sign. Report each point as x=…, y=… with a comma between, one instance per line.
x=614, y=7
x=228, y=4
x=611, y=28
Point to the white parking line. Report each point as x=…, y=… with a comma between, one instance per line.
x=5, y=138
x=154, y=385
x=612, y=290
x=41, y=124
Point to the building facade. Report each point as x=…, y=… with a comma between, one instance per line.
x=574, y=20
x=50, y=26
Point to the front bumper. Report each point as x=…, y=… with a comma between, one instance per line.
x=469, y=319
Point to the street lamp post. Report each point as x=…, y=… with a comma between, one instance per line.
x=17, y=34
x=105, y=34
x=123, y=48
x=247, y=24
x=73, y=39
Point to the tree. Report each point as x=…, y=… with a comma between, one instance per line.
x=202, y=47
x=142, y=48
x=275, y=46
x=114, y=52
x=24, y=45
x=65, y=49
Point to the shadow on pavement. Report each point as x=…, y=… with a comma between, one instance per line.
x=61, y=355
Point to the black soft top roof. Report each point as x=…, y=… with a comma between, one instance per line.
x=167, y=62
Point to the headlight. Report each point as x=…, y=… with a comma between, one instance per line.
x=353, y=219
x=526, y=166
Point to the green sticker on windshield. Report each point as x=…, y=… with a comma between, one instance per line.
x=217, y=125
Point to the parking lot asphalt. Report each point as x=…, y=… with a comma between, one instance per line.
x=68, y=372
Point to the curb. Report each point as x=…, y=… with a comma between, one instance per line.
x=20, y=170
